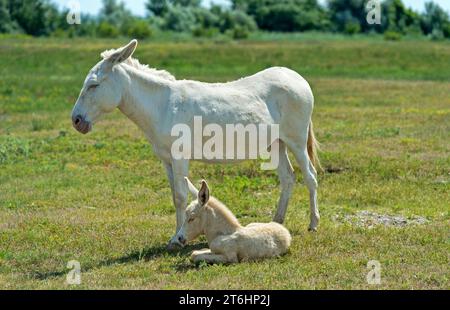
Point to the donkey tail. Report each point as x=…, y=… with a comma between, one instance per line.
x=313, y=147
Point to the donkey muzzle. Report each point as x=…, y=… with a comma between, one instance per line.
x=81, y=125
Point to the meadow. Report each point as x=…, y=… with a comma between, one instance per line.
x=382, y=114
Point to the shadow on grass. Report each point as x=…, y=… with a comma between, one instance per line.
x=146, y=254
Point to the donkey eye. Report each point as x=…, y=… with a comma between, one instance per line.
x=94, y=86
x=191, y=219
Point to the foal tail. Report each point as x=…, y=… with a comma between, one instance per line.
x=313, y=147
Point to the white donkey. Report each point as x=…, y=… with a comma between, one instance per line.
x=155, y=101
x=228, y=241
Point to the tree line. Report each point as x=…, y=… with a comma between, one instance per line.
x=42, y=18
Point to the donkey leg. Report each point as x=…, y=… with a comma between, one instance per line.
x=309, y=176
x=287, y=181
x=180, y=169
x=169, y=172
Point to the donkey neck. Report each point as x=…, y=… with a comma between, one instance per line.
x=219, y=220
x=144, y=98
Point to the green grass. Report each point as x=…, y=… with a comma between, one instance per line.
x=382, y=114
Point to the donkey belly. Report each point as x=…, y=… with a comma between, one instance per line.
x=230, y=130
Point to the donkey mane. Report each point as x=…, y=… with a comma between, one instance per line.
x=221, y=209
x=133, y=62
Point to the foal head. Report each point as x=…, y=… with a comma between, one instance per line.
x=195, y=220
x=102, y=91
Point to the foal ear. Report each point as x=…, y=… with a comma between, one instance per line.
x=191, y=187
x=203, y=194
x=123, y=53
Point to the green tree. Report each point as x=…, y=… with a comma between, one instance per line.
x=284, y=15
x=157, y=7
x=114, y=13
x=398, y=18
x=6, y=23
x=179, y=19
x=140, y=29
x=160, y=7
x=435, y=21
x=234, y=19
x=107, y=30
x=348, y=15
x=205, y=18
x=187, y=3
x=34, y=17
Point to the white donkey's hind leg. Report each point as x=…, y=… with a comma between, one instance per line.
x=287, y=182
x=310, y=179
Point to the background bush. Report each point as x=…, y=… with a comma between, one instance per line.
x=106, y=30
x=140, y=29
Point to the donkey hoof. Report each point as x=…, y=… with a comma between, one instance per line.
x=312, y=229
x=278, y=219
x=174, y=246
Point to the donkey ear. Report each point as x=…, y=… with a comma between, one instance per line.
x=191, y=187
x=203, y=194
x=123, y=53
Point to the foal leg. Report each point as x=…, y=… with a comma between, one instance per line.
x=287, y=181
x=309, y=176
x=200, y=252
x=180, y=169
x=211, y=258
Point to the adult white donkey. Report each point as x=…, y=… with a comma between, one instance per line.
x=156, y=101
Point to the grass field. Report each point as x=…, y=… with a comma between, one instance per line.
x=382, y=114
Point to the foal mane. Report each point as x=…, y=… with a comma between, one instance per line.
x=221, y=209
x=133, y=62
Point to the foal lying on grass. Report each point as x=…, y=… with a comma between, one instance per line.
x=229, y=242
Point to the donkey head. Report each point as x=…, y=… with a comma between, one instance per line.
x=195, y=220
x=102, y=91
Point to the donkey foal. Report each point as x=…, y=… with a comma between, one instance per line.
x=229, y=242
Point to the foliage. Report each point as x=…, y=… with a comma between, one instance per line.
x=435, y=21
x=160, y=7
x=115, y=14
x=237, y=18
x=240, y=33
x=140, y=29
x=205, y=18
x=392, y=36
x=284, y=15
x=398, y=18
x=33, y=17
x=6, y=23
x=179, y=19
x=352, y=27
x=205, y=32
x=42, y=18
x=107, y=30
x=348, y=16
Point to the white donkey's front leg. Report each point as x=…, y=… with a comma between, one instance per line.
x=169, y=172
x=180, y=170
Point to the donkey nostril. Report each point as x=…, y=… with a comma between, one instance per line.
x=77, y=120
x=181, y=239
